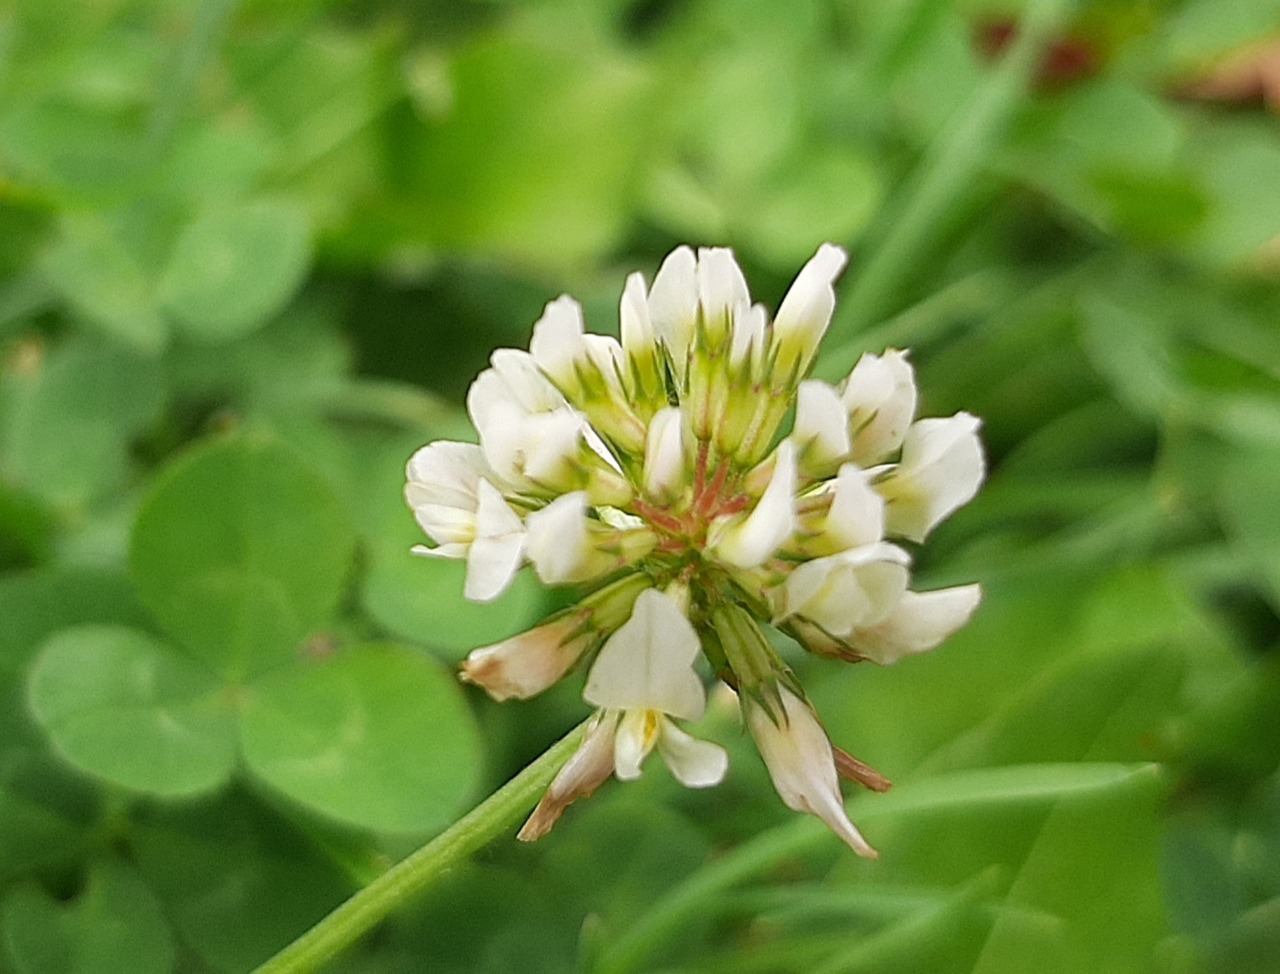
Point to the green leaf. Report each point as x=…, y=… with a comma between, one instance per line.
x=1109, y=150
x=378, y=736
x=35, y=605
x=66, y=424
x=1094, y=864
x=1201, y=30
x=95, y=271
x=114, y=926
x=218, y=161
x=235, y=267
x=421, y=599
x=26, y=527
x=504, y=908
x=1132, y=350
x=830, y=193
x=241, y=550
x=543, y=94
x=1250, y=486
x=46, y=810
x=238, y=882
x=1241, y=169
x=300, y=356
x=1016, y=784
x=74, y=150
x=121, y=705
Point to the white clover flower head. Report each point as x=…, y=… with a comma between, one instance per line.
x=657, y=474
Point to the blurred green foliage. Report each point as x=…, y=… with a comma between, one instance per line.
x=252, y=254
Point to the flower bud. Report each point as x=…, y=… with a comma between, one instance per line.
x=665, y=473
x=805, y=313
x=523, y=666
x=798, y=755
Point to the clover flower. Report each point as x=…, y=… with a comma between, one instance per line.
x=656, y=473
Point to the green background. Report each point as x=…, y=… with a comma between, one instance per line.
x=251, y=256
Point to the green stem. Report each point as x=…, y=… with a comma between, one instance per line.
x=488, y=820
x=947, y=169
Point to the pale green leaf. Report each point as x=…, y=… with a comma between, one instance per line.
x=121, y=705
x=235, y=267
x=378, y=736
x=241, y=551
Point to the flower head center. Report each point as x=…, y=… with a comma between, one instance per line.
x=682, y=525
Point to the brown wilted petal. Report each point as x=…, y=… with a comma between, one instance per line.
x=588, y=768
x=851, y=769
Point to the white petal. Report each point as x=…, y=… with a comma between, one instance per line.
x=559, y=546
x=445, y=472
x=498, y=549
x=449, y=550
x=664, y=462
x=694, y=763
x=604, y=352
x=856, y=517
x=920, y=622
x=843, y=591
x=558, y=338
x=526, y=385
x=598, y=446
x=525, y=665
x=805, y=312
x=941, y=469
x=485, y=393
x=491, y=565
x=637, y=329
x=446, y=525
x=673, y=304
x=637, y=733
x=721, y=287
x=749, y=327
x=503, y=437
x=550, y=443
x=494, y=516
x=800, y=762
x=648, y=663
x=821, y=431
x=880, y=397
x=749, y=542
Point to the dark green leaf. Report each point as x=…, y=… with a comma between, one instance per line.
x=1250, y=486
x=238, y=883
x=113, y=927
